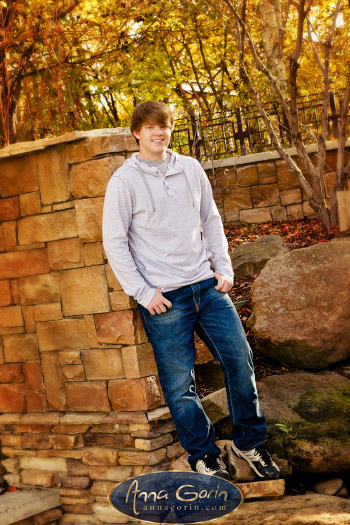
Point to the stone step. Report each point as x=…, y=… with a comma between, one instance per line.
x=262, y=489
x=16, y=506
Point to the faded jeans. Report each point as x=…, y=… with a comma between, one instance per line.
x=210, y=313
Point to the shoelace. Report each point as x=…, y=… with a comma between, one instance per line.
x=209, y=463
x=260, y=454
x=263, y=455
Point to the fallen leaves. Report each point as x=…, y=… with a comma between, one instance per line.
x=295, y=234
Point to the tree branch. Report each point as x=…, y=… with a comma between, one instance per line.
x=260, y=65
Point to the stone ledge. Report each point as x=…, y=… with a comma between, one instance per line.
x=21, y=148
x=81, y=418
x=264, y=156
x=16, y=506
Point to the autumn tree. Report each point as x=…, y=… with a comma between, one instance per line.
x=52, y=57
x=295, y=34
x=82, y=64
x=26, y=47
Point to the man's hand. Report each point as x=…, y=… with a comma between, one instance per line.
x=159, y=303
x=224, y=284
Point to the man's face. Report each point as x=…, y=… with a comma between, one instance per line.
x=153, y=141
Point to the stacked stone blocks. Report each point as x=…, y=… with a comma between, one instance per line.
x=81, y=403
x=264, y=191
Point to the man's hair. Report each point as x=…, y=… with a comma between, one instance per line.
x=151, y=112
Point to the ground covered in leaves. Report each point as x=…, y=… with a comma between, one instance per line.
x=295, y=235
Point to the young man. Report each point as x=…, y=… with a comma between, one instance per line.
x=160, y=228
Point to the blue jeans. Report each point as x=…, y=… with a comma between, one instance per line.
x=210, y=313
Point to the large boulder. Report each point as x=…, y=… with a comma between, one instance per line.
x=312, y=414
x=301, y=305
x=250, y=257
x=310, y=509
x=314, y=410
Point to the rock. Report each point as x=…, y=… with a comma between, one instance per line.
x=301, y=304
x=311, y=509
x=239, y=469
x=134, y=394
x=283, y=465
x=316, y=410
x=259, y=489
x=210, y=373
x=343, y=369
x=342, y=493
x=181, y=464
x=250, y=257
x=272, y=488
x=215, y=405
x=329, y=487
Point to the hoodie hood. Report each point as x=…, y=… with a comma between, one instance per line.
x=174, y=168
x=174, y=165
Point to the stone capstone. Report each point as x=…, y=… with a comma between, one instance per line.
x=250, y=257
x=301, y=305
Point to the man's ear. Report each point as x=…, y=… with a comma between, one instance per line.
x=136, y=134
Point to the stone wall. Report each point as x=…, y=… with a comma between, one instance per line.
x=82, y=408
x=260, y=188
x=81, y=403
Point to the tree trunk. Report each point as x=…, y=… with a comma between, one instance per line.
x=272, y=40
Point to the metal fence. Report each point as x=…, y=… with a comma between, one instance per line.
x=242, y=131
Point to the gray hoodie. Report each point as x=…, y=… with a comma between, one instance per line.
x=159, y=232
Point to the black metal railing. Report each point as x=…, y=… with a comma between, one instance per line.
x=242, y=131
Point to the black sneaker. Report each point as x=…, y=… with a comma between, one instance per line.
x=260, y=460
x=210, y=464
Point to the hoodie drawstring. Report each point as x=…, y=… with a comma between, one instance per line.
x=189, y=185
x=147, y=186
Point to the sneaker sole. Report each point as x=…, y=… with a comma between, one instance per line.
x=223, y=475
